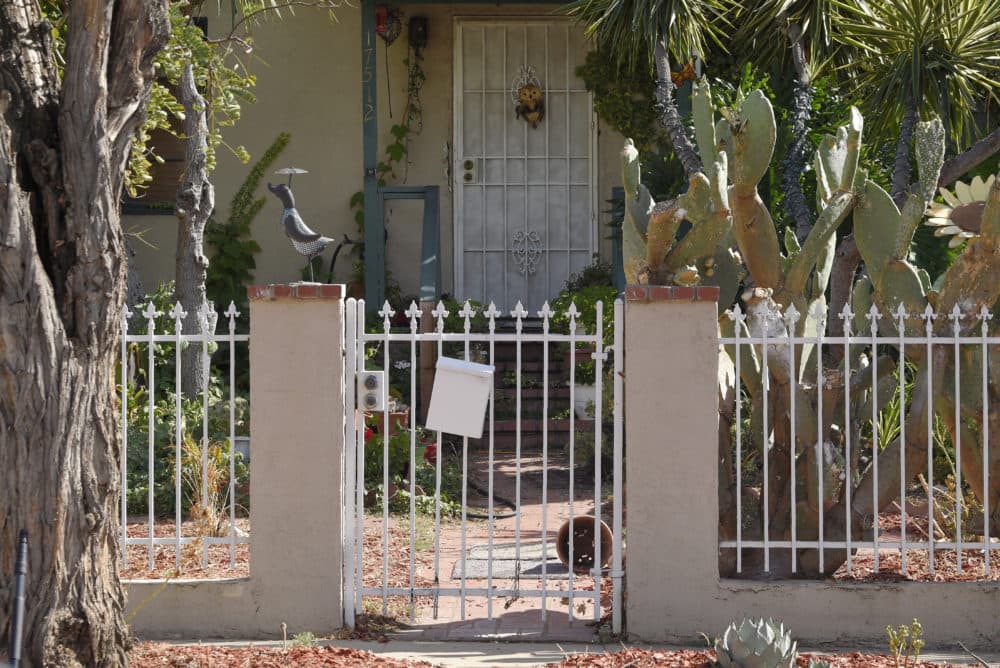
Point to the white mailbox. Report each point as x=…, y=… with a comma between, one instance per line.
x=459, y=397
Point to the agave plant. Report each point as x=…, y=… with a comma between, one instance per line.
x=762, y=643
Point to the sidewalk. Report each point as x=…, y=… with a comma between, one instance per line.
x=481, y=654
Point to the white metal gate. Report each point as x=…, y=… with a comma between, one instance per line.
x=501, y=556
x=525, y=198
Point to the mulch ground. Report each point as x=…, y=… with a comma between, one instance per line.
x=158, y=655
x=642, y=658
x=918, y=566
x=217, y=565
x=399, y=555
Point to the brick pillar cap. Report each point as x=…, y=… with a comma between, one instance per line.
x=300, y=290
x=668, y=293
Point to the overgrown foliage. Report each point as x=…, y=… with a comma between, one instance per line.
x=631, y=29
x=221, y=78
x=157, y=396
x=623, y=98
x=940, y=53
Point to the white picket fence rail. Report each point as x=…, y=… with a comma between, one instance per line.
x=130, y=361
x=770, y=342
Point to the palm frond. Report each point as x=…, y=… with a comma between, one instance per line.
x=764, y=28
x=945, y=53
x=630, y=29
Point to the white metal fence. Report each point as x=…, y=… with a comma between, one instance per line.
x=200, y=459
x=411, y=348
x=934, y=376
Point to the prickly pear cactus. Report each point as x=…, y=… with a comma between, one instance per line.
x=653, y=251
x=732, y=234
x=779, y=287
x=762, y=643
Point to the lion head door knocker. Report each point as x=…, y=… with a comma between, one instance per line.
x=529, y=99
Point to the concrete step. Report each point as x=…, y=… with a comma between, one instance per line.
x=530, y=442
x=530, y=393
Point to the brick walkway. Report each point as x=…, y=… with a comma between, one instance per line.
x=510, y=618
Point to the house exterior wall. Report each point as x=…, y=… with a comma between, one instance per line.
x=308, y=71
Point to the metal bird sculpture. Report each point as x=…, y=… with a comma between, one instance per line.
x=304, y=240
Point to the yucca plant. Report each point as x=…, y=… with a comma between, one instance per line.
x=921, y=57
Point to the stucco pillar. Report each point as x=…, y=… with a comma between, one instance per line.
x=671, y=422
x=297, y=426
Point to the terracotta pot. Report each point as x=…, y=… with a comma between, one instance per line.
x=583, y=544
x=397, y=422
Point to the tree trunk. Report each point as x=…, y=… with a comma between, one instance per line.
x=195, y=201
x=795, y=157
x=845, y=266
x=969, y=159
x=135, y=293
x=901, y=168
x=669, y=116
x=63, y=150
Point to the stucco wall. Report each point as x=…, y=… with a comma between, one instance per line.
x=308, y=71
x=296, y=483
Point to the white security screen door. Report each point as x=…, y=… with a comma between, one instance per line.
x=525, y=201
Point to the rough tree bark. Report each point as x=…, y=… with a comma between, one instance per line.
x=195, y=201
x=64, y=145
x=134, y=292
x=669, y=116
x=845, y=266
x=795, y=157
x=901, y=167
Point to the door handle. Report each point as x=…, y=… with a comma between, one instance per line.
x=469, y=168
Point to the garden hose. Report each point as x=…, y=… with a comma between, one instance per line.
x=496, y=497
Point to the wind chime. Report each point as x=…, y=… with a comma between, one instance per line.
x=388, y=26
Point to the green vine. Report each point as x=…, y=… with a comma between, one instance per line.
x=395, y=155
x=397, y=150
x=623, y=98
x=233, y=248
